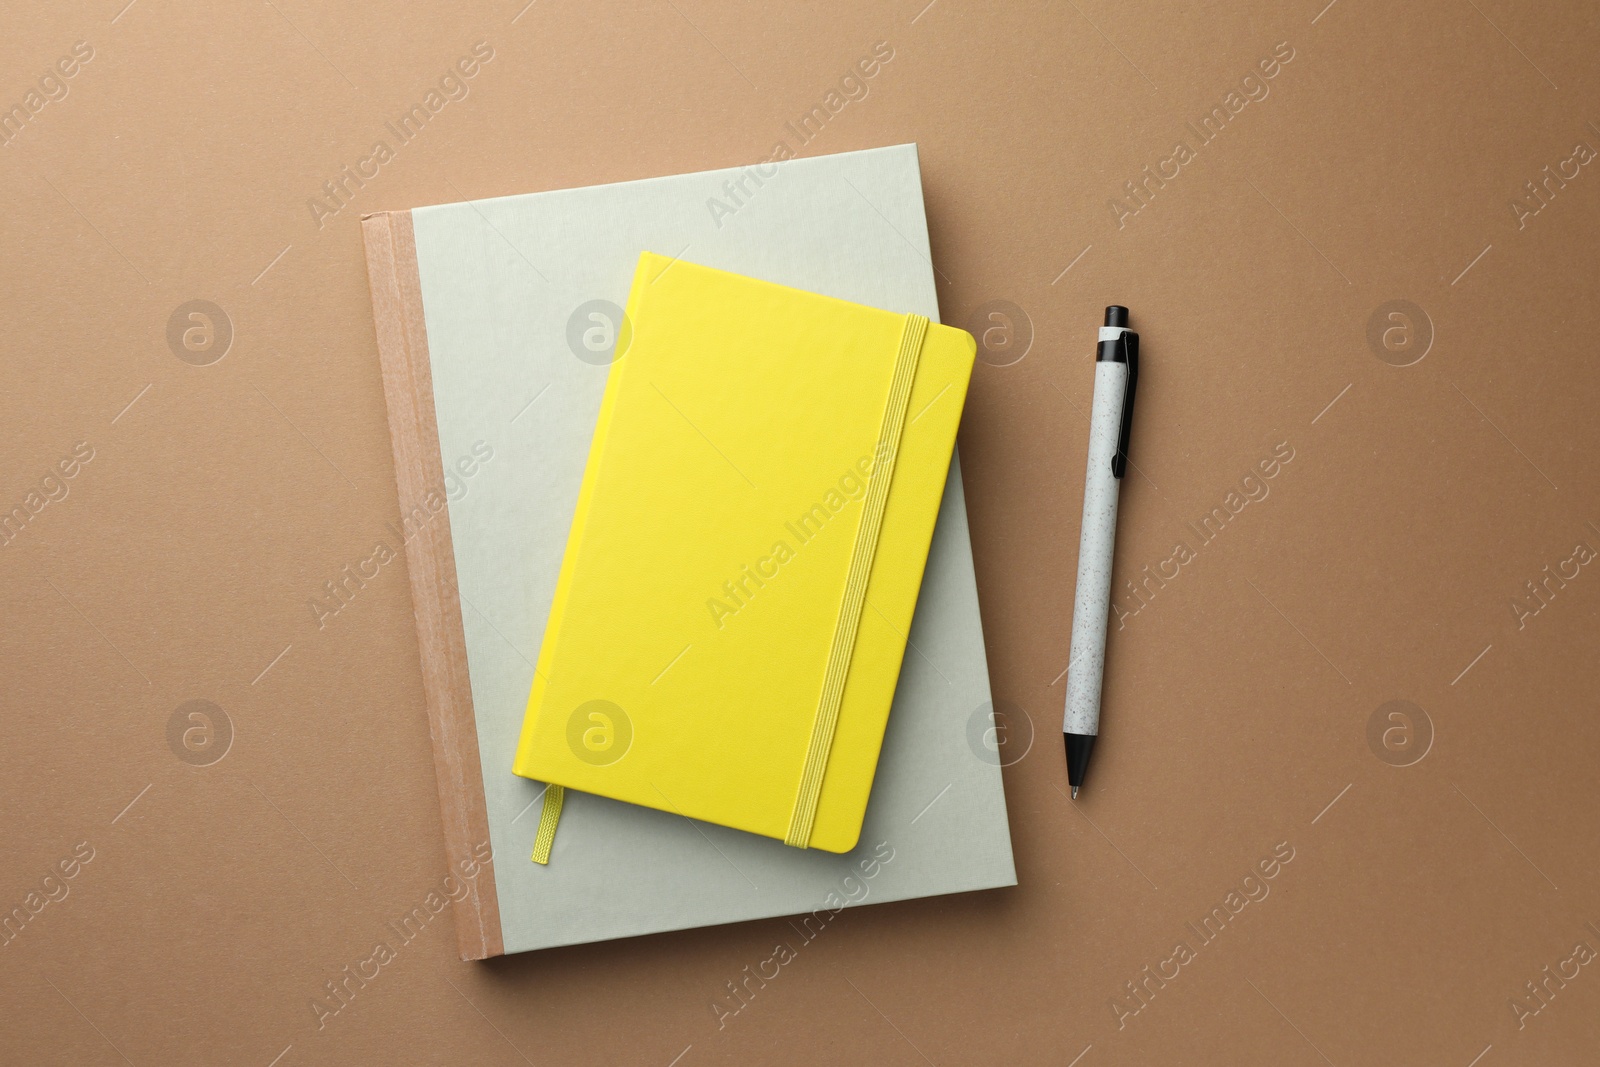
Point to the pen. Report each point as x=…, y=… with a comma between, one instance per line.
x=1116, y=373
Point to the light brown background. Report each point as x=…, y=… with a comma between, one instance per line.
x=1381, y=567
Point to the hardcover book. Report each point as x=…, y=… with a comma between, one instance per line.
x=745, y=557
x=497, y=321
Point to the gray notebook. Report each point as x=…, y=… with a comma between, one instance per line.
x=521, y=298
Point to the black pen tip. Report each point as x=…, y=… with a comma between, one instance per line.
x=1078, y=748
x=1074, y=792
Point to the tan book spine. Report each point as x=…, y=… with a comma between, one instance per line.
x=430, y=559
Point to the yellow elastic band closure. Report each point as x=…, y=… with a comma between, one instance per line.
x=855, y=590
x=549, y=815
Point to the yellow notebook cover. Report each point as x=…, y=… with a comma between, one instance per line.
x=745, y=557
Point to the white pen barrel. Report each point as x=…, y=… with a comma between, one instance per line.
x=1092, y=602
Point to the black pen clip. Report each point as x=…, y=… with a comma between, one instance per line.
x=1129, y=342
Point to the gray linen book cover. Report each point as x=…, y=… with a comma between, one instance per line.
x=522, y=300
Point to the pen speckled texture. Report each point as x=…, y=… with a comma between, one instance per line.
x=1092, y=601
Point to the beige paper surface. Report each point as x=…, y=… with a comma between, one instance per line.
x=1248, y=702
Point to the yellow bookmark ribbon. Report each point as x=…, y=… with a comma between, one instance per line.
x=549, y=815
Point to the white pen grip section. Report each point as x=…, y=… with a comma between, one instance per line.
x=1092, y=601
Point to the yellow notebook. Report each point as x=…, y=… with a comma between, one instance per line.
x=744, y=561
